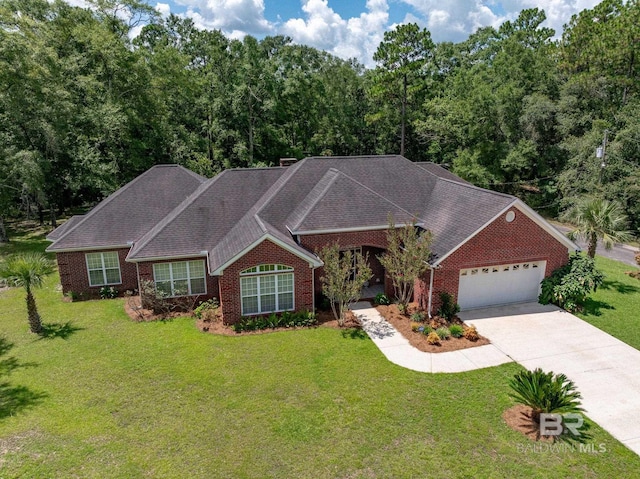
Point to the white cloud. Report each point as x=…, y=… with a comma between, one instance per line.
x=163, y=8
x=230, y=16
x=558, y=12
x=455, y=20
x=323, y=28
x=359, y=36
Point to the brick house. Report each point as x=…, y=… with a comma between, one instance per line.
x=249, y=236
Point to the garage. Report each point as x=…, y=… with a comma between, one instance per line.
x=503, y=284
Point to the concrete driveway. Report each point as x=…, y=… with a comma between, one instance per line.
x=606, y=370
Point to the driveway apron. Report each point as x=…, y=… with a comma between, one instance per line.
x=605, y=370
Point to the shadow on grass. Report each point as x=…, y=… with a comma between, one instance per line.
x=354, y=333
x=58, y=330
x=25, y=237
x=592, y=307
x=14, y=399
x=620, y=287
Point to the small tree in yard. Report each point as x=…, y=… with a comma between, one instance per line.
x=406, y=258
x=28, y=271
x=569, y=285
x=595, y=219
x=345, y=273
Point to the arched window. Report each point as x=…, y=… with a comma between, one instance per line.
x=267, y=288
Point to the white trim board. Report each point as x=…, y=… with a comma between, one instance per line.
x=531, y=214
x=313, y=261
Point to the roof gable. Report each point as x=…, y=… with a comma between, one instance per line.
x=170, y=212
x=339, y=202
x=208, y=215
x=126, y=215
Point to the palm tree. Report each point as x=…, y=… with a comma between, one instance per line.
x=594, y=219
x=28, y=270
x=545, y=393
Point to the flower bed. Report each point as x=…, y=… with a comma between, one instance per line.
x=418, y=339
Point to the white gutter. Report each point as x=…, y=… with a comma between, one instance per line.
x=86, y=248
x=162, y=258
x=348, y=230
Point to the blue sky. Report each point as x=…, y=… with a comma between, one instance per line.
x=354, y=28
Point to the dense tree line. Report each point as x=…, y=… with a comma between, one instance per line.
x=84, y=108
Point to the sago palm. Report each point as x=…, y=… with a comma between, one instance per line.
x=594, y=219
x=28, y=271
x=545, y=393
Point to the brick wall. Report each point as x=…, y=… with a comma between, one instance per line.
x=370, y=241
x=145, y=271
x=499, y=243
x=266, y=252
x=74, y=276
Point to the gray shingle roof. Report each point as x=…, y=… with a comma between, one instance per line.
x=60, y=230
x=126, y=215
x=201, y=221
x=339, y=202
x=169, y=212
x=440, y=171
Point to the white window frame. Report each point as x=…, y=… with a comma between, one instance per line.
x=171, y=280
x=259, y=273
x=102, y=268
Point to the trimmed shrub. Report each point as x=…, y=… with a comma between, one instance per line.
x=418, y=316
x=416, y=325
x=471, y=334
x=382, y=299
x=443, y=333
x=286, y=319
x=426, y=330
x=456, y=330
x=108, y=292
x=433, y=338
x=448, y=307
x=203, y=309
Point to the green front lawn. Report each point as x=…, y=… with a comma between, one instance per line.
x=615, y=307
x=107, y=397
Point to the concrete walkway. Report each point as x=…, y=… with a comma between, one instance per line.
x=398, y=350
x=606, y=370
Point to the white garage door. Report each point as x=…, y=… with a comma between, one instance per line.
x=504, y=284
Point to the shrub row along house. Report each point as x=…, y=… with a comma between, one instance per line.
x=249, y=236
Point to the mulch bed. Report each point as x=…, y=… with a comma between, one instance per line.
x=633, y=274
x=418, y=340
x=325, y=320
x=133, y=307
x=519, y=419
x=211, y=322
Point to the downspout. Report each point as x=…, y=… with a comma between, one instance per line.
x=313, y=288
x=430, y=292
x=138, y=278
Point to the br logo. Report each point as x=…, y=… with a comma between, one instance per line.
x=557, y=424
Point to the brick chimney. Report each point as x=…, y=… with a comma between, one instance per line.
x=287, y=161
